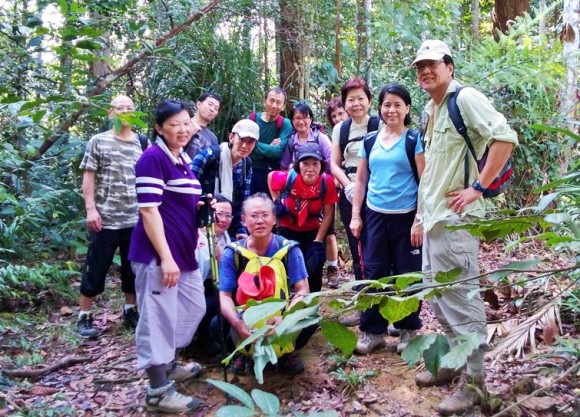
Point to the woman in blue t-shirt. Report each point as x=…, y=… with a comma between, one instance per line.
x=392, y=234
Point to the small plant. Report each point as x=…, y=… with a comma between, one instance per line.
x=353, y=379
x=341, y=361
x=259, y=403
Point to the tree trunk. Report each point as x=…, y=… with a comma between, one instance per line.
x=337, y=40
x=505, y=12
x=569, y=104
x=367, y=40
x=542, y=28
x=291, y=52
x=475, y=20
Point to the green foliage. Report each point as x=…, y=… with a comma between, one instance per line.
x=18, y=281
x=339, y=336
x=260, y=403
x=353, y=379
x=264, y=336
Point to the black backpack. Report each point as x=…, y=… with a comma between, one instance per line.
x=143, y=141
x=504, y=178
x=216, y=150
x=410, y=144
x=372, y=125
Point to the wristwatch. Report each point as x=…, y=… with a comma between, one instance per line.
x=477, y=186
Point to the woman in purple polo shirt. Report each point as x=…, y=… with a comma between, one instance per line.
x=168, y=283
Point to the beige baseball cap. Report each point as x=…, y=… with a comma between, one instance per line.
x=247, y=128
x=431, y=50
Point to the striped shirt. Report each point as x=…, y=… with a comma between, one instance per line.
x=167, y=183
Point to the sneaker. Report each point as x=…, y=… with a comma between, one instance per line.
x=166, y=400
x=291, y=364
x=131, y=318
x=351, y=320
x=367, y=342
x=85, y=327
x=180, y=373
x=332, y=275
x=393, y=331
x=469, y=392
x=401, y=344
x=444, y=376
x=241, y=365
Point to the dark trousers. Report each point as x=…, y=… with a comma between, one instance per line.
x=388, y=252
x=305, y=239
x=100, y=254
x=259, y=182
x=345, y=209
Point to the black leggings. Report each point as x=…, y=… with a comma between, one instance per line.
x=305, y=239
x=345, y=209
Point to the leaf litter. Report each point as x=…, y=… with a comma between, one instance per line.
x=111, y=385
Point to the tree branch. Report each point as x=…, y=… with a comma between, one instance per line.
x=118, y=73
x=35, y=373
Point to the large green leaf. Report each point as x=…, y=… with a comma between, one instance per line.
x=235, y=411
x=447, y=276
x=558, y=218
x=433, y=355
x=339, y=336
x=394, y=309
x=268, y=403
x=403, y=281
x=234, y=392
x=260, y=312
x=457, y=356
x=291, y=319
x=413, y=353
x=256, y=334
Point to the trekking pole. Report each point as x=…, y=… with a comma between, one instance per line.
x=209, y=224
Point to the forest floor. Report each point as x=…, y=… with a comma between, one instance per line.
x=99, y=377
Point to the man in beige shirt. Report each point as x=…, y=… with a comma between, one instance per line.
x=444, y=201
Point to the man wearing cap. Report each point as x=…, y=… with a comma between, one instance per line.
x=111, y=201
x=443, y=201
x=227, y=170
x=207, y=109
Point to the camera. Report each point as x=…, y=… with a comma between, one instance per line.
x=205, y=212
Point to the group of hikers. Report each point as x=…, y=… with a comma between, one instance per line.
x=273, y=188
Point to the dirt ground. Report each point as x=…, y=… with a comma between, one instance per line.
x=106, y=382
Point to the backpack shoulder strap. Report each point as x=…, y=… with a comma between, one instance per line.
x=143, y=141
x=284, y=246
x=323, y=187
x=241, y=251
x=252, y=116
x=459, y=123
x=344, y=131
x=410, y=145
x=290, y=179
x=217, y=151
x=368, y=144
x=373, y=123
x=279, y=122
x=247, y=165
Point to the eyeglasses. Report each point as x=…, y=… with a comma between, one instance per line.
x=421, y=65
x=300, y=119
x=124, y=108
x=220, y=216
x=257, y=216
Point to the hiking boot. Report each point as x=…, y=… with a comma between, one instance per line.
x=393, y=331
x=401, y=344
x=131, y=318
x=351, y=320
x=291, y=364
x=241, y=365
x=367, y=342
x=181, y=373
x=469, y=392
x=166, y=400
x=444, y=376
x=85, y=327
x=332, y=275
